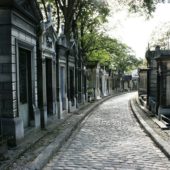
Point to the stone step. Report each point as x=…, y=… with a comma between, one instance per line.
x=166, y=119
x=161, y=124
x=143, y=108
x=2, y=140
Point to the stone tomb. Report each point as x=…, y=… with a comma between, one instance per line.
x=152, y=96
x=71, y=87
x=47, y=90
x=93, y=80
x=142, y=82
x=163, y=69
x=18, y=68
x=62, y=81
x=104, y=81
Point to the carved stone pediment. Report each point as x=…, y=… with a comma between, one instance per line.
x=49, y=41
x=49, y=36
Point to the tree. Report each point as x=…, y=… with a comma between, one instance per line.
x=122, y=57
x=140, y=6
x=84, y=18
x=64, y=11
x=68, y=11
x=92, y=15
x=114, y=54
x=161, y=36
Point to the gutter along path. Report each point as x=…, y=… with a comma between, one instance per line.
x=152, y=126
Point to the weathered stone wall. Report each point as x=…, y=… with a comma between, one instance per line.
x=6, y=66
x=23, y=34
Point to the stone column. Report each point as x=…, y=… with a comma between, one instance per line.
x=76, y=81
x=58, y=90
x=68, y=80
x=42, y=99
x=11, y=125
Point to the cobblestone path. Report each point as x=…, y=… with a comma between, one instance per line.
x=110, y=138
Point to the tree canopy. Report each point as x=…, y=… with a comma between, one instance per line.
x=68, y=11
x=161, y=36
x=83, y=18
x=113, y=53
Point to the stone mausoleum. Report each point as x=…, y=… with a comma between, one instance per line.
x=19, y=20
x=43, y=75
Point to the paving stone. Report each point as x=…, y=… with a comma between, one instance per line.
x=111, y=138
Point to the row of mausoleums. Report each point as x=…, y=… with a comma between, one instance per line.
x=154, y=82
x=42, y=75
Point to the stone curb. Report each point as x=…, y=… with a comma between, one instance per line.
x=43, y=158
x=162, y=144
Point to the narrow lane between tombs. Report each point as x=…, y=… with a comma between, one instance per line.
x=110, y=138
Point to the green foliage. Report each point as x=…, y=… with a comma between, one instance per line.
x=122, y=57
x=84, y=18
x=101, y=55
x=144, y=7
x=110, y=52
x=125, y=63
x=92, y=14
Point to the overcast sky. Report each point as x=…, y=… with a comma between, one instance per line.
x=135, y=30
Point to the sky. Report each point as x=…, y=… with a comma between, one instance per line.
x=136, y=30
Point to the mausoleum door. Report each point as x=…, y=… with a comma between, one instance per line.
x=49, y=89
x=168, y=85
x=72, y=85
x=79, y=86
x=62, y=86
x=101, y=85
x=25, y=85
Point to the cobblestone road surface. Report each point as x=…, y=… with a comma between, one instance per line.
x=110, y=138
